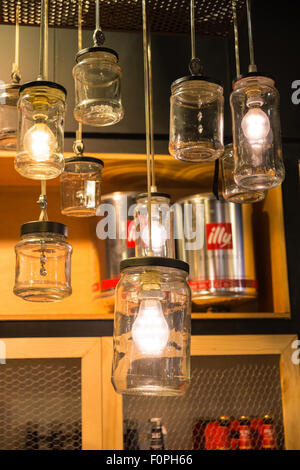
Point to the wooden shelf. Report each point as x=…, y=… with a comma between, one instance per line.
x=122, y=172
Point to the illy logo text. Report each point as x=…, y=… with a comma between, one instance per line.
x=219, y=236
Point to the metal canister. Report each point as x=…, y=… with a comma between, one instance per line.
x=215, y=238
x=113, y=241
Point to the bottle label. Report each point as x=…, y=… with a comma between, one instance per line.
x=219, y=236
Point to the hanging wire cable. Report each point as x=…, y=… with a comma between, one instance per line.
x=78, y=146
x=195, y=64
x=15, y=74
x=147, y=120
x=236, y=40
x=152, y=150
x=98, y=36
x=252, y=65
x=43, y=75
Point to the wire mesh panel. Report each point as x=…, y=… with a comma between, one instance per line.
x=40, y=404
x=232, y=386
x=212, y=17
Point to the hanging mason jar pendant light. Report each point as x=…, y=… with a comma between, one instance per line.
x=232, y=192
x=41, y=118
x=9, y=95
x=43, y=259
x=162, y=216
x=80, y=182
x=152, y=324
x=256, y=127
x=196, y=113
x=97, y=77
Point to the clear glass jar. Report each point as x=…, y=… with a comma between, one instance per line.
x=152, y=327
x=43, y=262
x=162, y=226
x=41, y=130
x=196, y=119
x=80, y=186
x=9, y=95
x=256, y=133
x=231, y=191
x=97, y=77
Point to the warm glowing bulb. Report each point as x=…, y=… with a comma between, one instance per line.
x=40, y=142
x=255, y=124
x=150, y=331
x=158, y=235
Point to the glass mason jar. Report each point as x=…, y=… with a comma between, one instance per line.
x=97, y=77
x=152, y=327
x=256, y=133
x=9, y=95
x=43, y=262
x=231, y=191
x=196, y=119
x=80, y=186
x=162, y=226
x=41, y=130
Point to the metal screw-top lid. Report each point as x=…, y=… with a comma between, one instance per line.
x=154, y=194
x=83, y=159
x=44, y=226
x=96, y=49
x=154, y=261
x=39, y=83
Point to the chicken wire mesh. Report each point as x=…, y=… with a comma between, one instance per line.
x=40, y=404
x=220, y=385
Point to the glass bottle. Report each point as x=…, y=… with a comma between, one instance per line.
x=97, y=77
x=152, y=327
x=9, y=95
x=41, y=130
x=231, y=191
x=256, y=133
x=43, y=262
x=80, y=185
x=196, y=119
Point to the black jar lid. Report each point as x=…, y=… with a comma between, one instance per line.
x=96, y=49
x=42, y=226
x=202, y=78
x=43, y=83
x=154, y=194
x=154, y=261
x=83, y=158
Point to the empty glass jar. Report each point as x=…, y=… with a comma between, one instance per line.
x=9, y=95
x=152, y=327
x=162, y=226
x=43, y=262
x=80, y=186
x=41, y=130
x=196, y=119
x=231, y=191
x=97, y=78
x=256, y=133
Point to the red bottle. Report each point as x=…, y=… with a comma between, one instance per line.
x=268, y=433
x=245, y=433
x=210, y=435
x=256, y=433
x=222, y=433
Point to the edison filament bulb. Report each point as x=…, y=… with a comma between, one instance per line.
x=39, y=141
x=150, y=331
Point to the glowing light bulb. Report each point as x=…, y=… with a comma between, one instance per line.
x=158, y=235
x=255, y=124
x=150, y=331
x=40, y=142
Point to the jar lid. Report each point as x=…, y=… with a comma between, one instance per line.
x=43, y=83
x=143, y=195
x=83, y=158
x=96, y=49
x=154, y=261
x=200, y=78
x=253, y=74
x=40, y=226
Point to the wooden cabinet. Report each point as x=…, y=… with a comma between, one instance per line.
x=18, y=198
